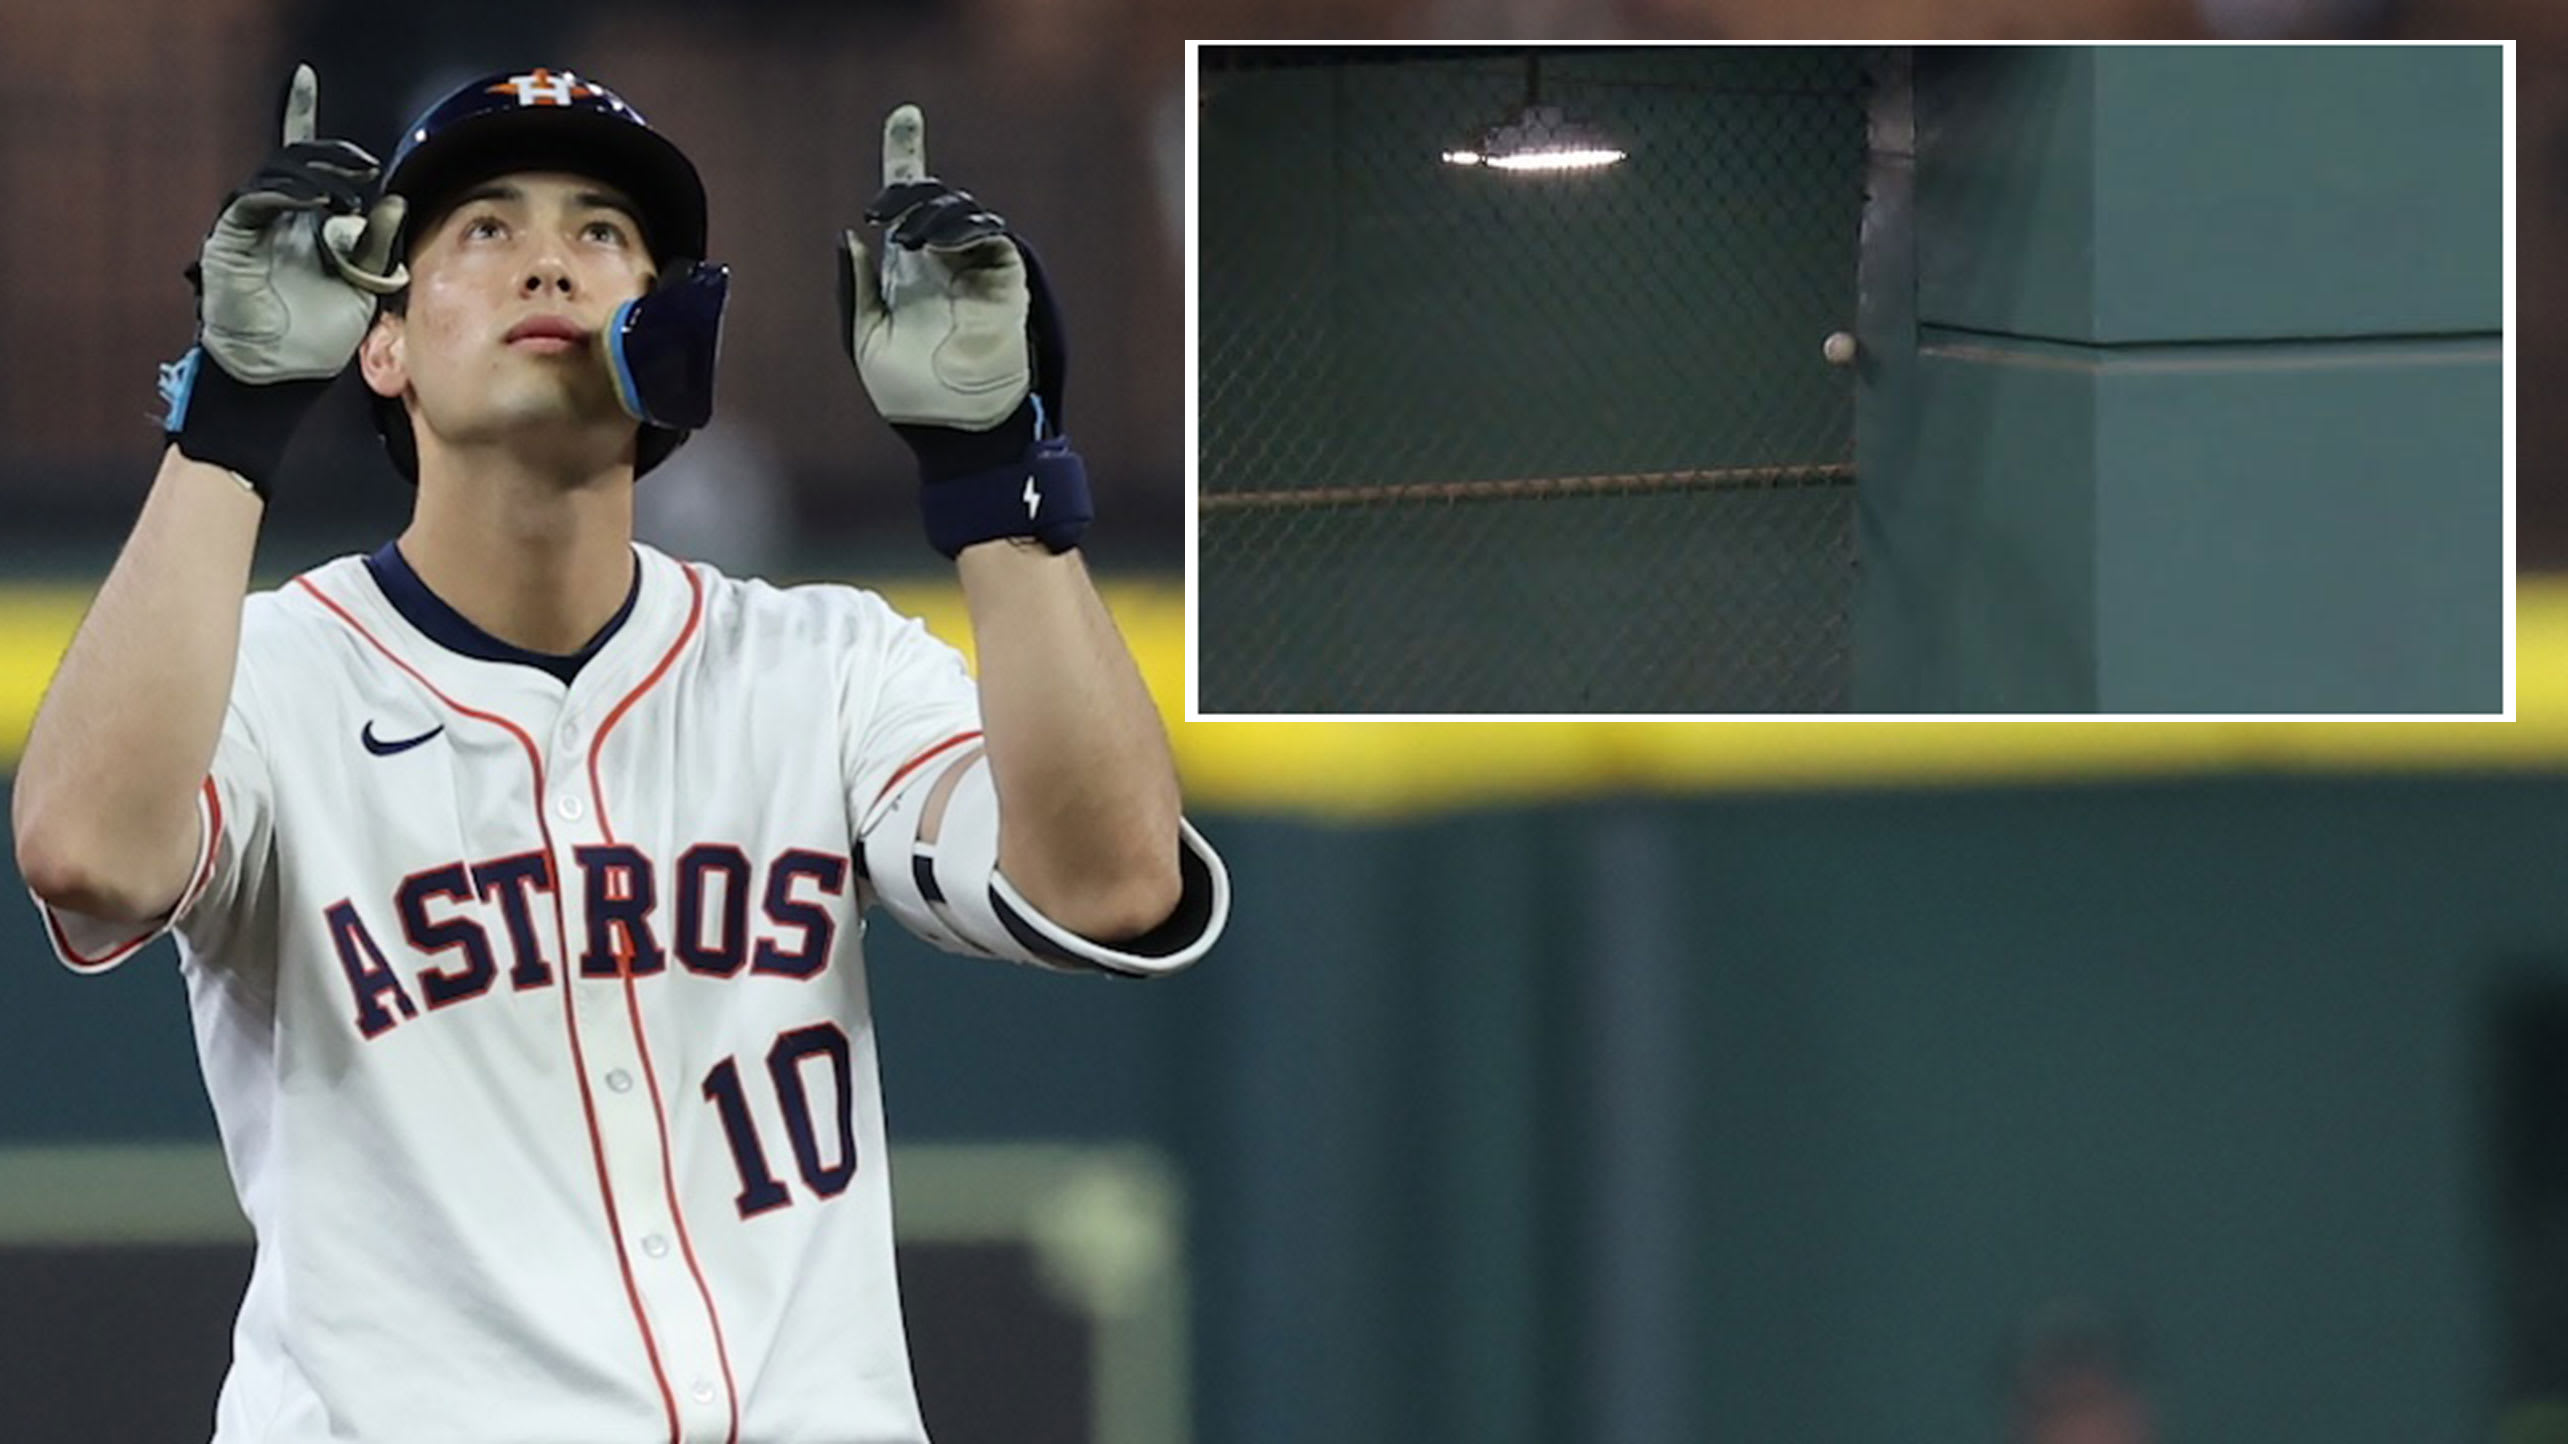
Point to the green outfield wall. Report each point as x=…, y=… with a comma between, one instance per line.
x=1767, y=1116
x=2184, y=382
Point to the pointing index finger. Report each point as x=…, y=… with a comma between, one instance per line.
x=302, y=101
x=904, y=145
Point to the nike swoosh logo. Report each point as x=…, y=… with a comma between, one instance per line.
x=381, y=748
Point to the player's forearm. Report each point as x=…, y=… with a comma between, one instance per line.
x=104, y=803
x=1088, y=800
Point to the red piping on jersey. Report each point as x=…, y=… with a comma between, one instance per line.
x=570, y=975
x=597, y=744
x=633, y=1001
x=195, y=886
x=915, y=763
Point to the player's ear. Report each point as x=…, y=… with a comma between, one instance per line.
x=380, y=357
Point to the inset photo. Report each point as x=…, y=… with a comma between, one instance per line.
x=1701, y=379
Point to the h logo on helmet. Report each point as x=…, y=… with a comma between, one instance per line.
x=546, y=87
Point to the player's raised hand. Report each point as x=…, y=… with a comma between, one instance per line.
x=959, y=343
x=287, y=282
x=291, y=270
x=937, y=323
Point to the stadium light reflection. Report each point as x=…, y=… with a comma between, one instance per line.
x=1538, y=137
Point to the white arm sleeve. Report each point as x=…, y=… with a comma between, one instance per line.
x=913, y=714
x=951, y=892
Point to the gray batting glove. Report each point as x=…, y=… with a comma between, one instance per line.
x=292, y=270
x=960, y=343
x=286, y=285
x=937, y=325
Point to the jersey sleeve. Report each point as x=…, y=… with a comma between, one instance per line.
x=907, y=700
x=232, y=822
x=922, y=739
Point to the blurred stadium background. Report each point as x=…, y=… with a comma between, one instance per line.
x=1611, y=1082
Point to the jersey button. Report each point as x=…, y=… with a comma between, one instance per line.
x=619, y=1080
x=701, y=1391
x=655, y=1245
x=570, y=806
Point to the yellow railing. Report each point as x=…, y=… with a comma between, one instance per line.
x=1357, y=769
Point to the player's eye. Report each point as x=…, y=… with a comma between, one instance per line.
x=605, y=232
x=483, y=227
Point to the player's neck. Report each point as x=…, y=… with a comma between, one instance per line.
x=538, y=566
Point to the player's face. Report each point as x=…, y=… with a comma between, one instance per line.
x=509, y=292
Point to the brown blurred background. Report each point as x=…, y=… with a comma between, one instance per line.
x=122, y=127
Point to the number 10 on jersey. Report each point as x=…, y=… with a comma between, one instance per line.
x=826, y=1177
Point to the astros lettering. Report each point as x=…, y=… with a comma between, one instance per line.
x=450, y=910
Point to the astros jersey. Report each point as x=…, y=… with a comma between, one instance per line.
x=534, y=1016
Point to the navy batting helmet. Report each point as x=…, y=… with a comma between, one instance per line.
x=544, y=120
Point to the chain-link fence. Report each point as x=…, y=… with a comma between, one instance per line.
x=1479, y=437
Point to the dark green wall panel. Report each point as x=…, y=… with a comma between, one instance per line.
x=2199, y=407
x=2005, y=237
x=2298, y=191
x=2158, y=193
x=1979, y=546
x=1869, y=1077
x=2302, y=530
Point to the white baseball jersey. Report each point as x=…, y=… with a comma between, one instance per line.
x=534, y=1016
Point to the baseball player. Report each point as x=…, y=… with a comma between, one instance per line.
x=517, y=870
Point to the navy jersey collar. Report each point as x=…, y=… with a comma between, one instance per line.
x=447, y=627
